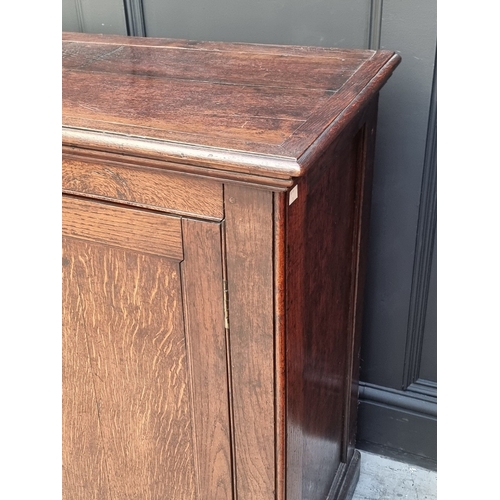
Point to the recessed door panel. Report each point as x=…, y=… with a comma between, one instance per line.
x=137, y=346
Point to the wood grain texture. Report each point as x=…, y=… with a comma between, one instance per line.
x=139, y=372
x=124, y=227
x=248, y=103
x=214, y=359
x=206, y=341
x=320, y=282
x=280, y=201
x=250, y=48
x=302, y=68
x=202, y=168
x=85, y=471
x=249, y=243
x=144, y=187
x=155, y=106
x=326, y=122
x=224, y=164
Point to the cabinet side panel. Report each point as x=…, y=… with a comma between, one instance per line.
x=249, y=248
x=322, y=240
x=365, y=157
x=205, y=337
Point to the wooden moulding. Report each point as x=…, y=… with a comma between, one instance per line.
x=345, y=481
x=257, y=111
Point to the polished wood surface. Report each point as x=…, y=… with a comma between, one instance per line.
x=215, y=210
x=320, y=364
x=241, y=101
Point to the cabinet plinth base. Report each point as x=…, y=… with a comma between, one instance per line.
x=345, y=481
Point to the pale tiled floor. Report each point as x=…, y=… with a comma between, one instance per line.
x=382, y=478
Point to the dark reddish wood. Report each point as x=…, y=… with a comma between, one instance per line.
x=218, y=111
x=294, y=345
x=366, y=151
x=208, y=45
x=331, y=119
x=244, y=101
x=306, y=69
x=280, y=202
x=220, y=163
x=322, y=280
x=215, y=221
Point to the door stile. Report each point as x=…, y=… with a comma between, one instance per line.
x=205, y=334
x=279, y=276
x=230, y=388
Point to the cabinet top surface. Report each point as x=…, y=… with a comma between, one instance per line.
x=256, y=108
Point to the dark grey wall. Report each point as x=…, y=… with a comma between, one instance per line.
x=397, y=414
x=94, y=16
x=333, y=23
x=398, y=393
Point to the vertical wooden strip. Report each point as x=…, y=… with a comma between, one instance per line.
x=320, y=228
x=205, y=336
x=364, y=144
x=228, y=360
x=295, y=305
x=280, y=201
x=85, y=475
x=249, y=241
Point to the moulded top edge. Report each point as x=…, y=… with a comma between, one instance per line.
x=261, y=114
x=223, y=160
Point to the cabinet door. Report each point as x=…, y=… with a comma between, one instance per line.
x=145, y=392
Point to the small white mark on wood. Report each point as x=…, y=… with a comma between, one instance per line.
x=293, y=195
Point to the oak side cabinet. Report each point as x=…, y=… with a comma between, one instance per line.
x=215, y=207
